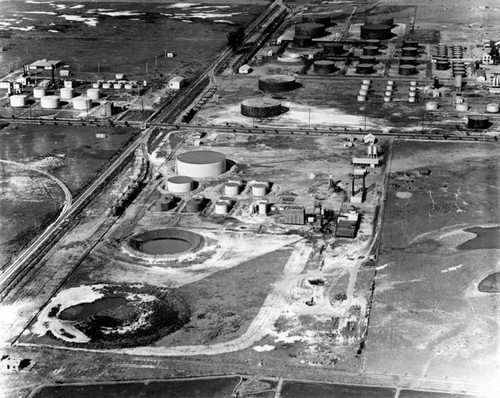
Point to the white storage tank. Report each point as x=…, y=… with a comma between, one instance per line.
x=259, y=189
x=361, y=98
x=66, y=93
x=50, y=102
x=463, y=107
x=411, y=99
x=18, y=100
x=82, y=103
x=94, y=93
x=262, y=205
x=96, y=85
x=492, y=108
x=180, y=184
x=106, y=85
x=220, y=207
x=117, y=86
x=231, y=189
x=39, y=92
x=201, y=164
x=431, y=106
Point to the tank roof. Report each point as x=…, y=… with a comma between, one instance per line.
x=261, y=102
x=201, y=157
x=180, y=179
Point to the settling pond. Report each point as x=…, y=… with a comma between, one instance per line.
x=486, y=238
x=83, y=311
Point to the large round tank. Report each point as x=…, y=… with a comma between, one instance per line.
x=431, y=106
x=379, y=20
x=492, y=108
x=462, y=107
x=194, y=205
x=66, y=93
x=82, y=103
x=370, y=50
x=39, y=92
x=94, y=93
x=50, y=102
x=478, y=122
x=18, y=100
x=367, y=59
x=407, y=61
x=180, y=184
x=277, y=83
x=324, y=66
x=409, y=52
x=333, y=48
x=302, y=41
x=407, y=70
x=364, y=69
x=289, y=56
x=261, y=107
x=442, y=64
x=221, y=207
x=232, y=189
x=319, y=18
x=310, y=29
x=380, y=32
x=201, y=164
x=373, y=42
x=259, y=189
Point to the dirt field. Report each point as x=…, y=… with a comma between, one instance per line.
x=428, y=318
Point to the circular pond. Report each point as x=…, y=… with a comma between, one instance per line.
x=83, y=311
x=165, y=242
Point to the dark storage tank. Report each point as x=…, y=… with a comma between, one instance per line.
x=261, y=107
x=379, y=20
x=302, y=41
x=409, y=52
x=407, y=61
x=310, y=29
x=319, y=18
x=407, y=70
x=370, y=50
x=478, y=122
x=364, y=69
x=367, y=59
x=324, y=66
x=277, y=83
x=380, y=32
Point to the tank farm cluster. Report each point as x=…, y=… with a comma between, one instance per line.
x=315, y=202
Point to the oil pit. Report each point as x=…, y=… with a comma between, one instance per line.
x=164, y=243
x=83, y=311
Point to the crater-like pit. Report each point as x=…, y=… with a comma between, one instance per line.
x=490, y=284
x=165, y=242
x=83, y=311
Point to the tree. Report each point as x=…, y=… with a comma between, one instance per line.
x=235, y=38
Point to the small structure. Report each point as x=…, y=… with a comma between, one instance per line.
x=170, y=54
x=10, y=364
x=176, y=82
x=372, y=162
x=45, y=64
x=244, y=69
x=486, y=59
x=480, y=75
x=370, y=139
x=347, y=225
x=295, y=215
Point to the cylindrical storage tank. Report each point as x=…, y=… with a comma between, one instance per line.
x=373, y=42
x=361, y=98
x=413, y=83
x=117, y=86
x=310, y=29
x=180, y=184
x=194, y=205
x=442, y=50
x=412, y=94
x=226, y=199
x=262, y=205
x=365, y=87
x=370, y=50
x=232, y=189
x=411, y=99
x=333, y=48
x=128, y=86
x=50, y=102
x=119, y=76
x=96, y=85
x=66, y=93
x=17, y=101
x=442, y=65
x=302, y=41
x=94, y=93
x=492, y=108
x=290, y=57
x=363, y=92
x=458, y=81
x=259, y=189
x=201, y=164
x=389, y=89
x=364, y=69
x=407, y=61
x=367, y=59
x=463, y=107
x=413, y=88
x=323, y=19
x=324, y=66
x=407, y=70
x=380, y=32
x=388, y=93
x=390, y=83
x=39, y=92
x=167, y=205
x=82, y=103
x=387, y=98
x=409, y=52
x=106, y=85
x=478, y=122
x=367, y=82
x=379, y=20
x=220, y=207
x=261, y=107
x=277, y=83
x=431, y=106
x=410, y=43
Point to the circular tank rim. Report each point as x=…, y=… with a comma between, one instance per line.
x=201, y=157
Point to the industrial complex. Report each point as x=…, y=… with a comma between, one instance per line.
x=250, y=199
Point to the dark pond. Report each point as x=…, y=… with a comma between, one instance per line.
x=294, y=389
x=164, y=246
x=490, y=284
x=83, y=311
x=487, y=238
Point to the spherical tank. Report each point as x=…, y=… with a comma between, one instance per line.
x=82, y=103
x=259, y=189
x=261, y=107
x=39, y=92
x=277, y=83
x=66, y=93
x=231, y=189
x=323, y=19
x=94, y=93
x=310, y=29
x=324, y=66
x=50, y=102
x=17, y=101
x=364, y=69
x=379, y=32
x=302, y=41
x=180, y=184
x=201, y=164
x=478, y=122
